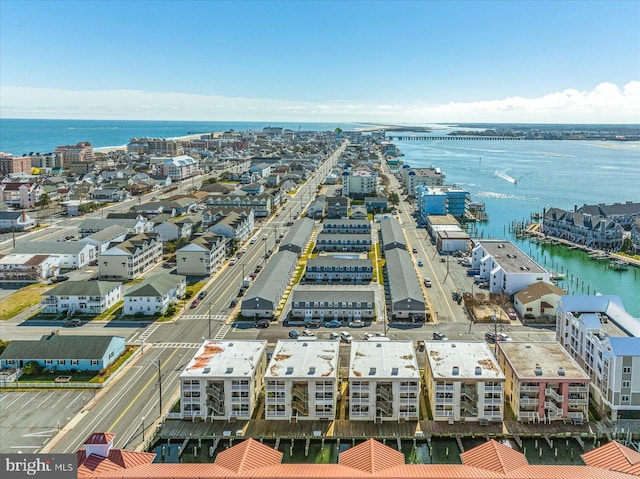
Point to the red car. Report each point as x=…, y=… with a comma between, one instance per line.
x=194, y=303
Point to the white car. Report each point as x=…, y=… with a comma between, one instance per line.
x=307, y=332
x=504, y=337
x=368, y=335
x=346, y=337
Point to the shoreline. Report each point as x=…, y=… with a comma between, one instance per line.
x=109, y=149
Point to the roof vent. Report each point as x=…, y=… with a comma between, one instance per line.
x=289, y=370
x=453, y=345
x=305, y=344
x=455, y=371
x=394, y=371
x=378, y=345
x=560, y=371
x=372, y=371
x=528, y=346
x=229, y=370
x=538, y=370
x=312, y=370
x=478, y=371
x=230, y=344
x=206, y=370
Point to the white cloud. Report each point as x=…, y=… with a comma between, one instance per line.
x=606, y=103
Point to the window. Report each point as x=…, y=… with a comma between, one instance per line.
x=624, y=398
x=74, y=362
x=626, y=370
x=94, y=362
x=626, y=384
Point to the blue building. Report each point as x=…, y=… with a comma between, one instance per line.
x=435, y=200
x=64, y=353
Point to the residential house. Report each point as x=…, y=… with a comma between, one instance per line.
x=253, y=189
x=155, y=294
x=543, y=382
x=72, y=254
x=325, y=304
x=376, y=204
x=338, y=207
x=264, y=295
x=262, y=204
x=234, y=226
x=180, y=167
x=223, y=380
x=347, y=226
x=358, y=212
x=405, y=293
x=624, y=214
x=537, y=299
x=112, y=195
x=463, y=381
x=202, y=256
x=102, y=239
x=301, y=381
x=343, y=242
x=174, y=229
x=28, y=268
x=131, y=258
x=64, y=353
x=138, y=224
x=328, y=268
x=21, y=195
x=506, y=267
x=86, y=297
x=593, y=231
x=317, y=208
x=605, y=341
x=15, y=221
x=384, y=381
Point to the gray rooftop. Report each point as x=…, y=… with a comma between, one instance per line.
x=106, y=234
x=553, y=361
x=312, y=295
x=510, y=258
x=391, y=233
x=325, y=261
x=83, y=288
x=299, y=233
x=403, y=281
x=59, y=347
x=50, y=247
x=269, y=283
x=156, y=285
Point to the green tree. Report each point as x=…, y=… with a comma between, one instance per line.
x=393, y=199
x=31, y=368
x=43, y=201
x=233, y=247
x=627, y=246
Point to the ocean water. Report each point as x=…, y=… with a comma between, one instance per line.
x=25, y=136
x=517, y=178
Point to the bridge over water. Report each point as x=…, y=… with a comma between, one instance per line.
x=455, y=138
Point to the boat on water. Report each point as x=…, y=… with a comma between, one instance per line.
x=618, y=265
x=557, y=276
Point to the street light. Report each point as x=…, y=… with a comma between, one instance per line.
x=142, y=421
x=157, y=363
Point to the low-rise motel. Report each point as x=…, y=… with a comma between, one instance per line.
x=369, y=459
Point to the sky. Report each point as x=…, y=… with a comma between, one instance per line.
x=377, y=61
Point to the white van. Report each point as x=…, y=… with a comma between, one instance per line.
x=427, y=282
x=253, y=240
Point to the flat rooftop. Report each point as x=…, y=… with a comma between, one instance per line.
x=510, y=258
x=474, y=360
x=549, y=356
x=298, y=358
x=225, y=359
x=383, y=359
x=442, y=220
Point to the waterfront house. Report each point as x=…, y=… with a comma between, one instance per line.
x=537, y=299
x=384, y=381
x=543, y=382
x=592, y=231
x=28, y=268
x=223, y=380
x=506, y=267
x=131, y=258
x=202, y=256
x=605, y=341
x=625, y=214
x=405, y=293
x=463, y=381
x=86, y=297
x=412, y=177
x=264, y=294
x=64, y=353
x=301, y=381
x=330, y=268
x=326, y=304
x=155, y=294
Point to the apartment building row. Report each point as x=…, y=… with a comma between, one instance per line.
x=592, y=230
x=463, y=381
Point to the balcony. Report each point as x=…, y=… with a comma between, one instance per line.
x=493, y=389
x=493, y=401
x=578, y=389
x=447, y=389
x=578, y=401
x=527, y=401
x=529, y=415
x=529, y=389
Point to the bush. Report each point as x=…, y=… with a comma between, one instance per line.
x=32, y=368
x=529, y=316
x=139, y=314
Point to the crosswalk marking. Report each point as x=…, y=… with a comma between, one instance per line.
x=176, y=345
x=223, y=331
x=214, y=317
x=146, y=333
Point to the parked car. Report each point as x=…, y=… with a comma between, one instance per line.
x=307, y=332
x=262, y=323
x=504, y=337
x=334, y=335
x=490, y=337
x=233, y=261
x=420, y=263
x=512, y=314
x=427, y=282
x=60, y=278
x=202, y=295
x=194, y=303
x=233, y=303
x=293, y=334
x=415, y=250
x=356, y=323
x=440, y=336
x=73, y=322
x=314, y=323
x=265, y=236
x=346, y=337
x=334, y=323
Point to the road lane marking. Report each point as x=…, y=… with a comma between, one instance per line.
x=63, y=396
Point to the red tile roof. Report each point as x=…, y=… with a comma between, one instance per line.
x=100, y=438
x=495, y=457
x=615, y=457
x=371, y=456
x=118, y=461
x=248, y=455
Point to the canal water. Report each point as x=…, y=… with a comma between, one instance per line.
x=517, y=178
x=438, y=451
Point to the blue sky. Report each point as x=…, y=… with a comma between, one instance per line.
x=420, y=61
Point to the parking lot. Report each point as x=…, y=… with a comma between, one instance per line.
x=31, y=418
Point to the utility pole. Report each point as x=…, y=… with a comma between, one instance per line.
x=157, y=363
x=209, y=313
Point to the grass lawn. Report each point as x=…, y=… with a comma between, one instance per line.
x=22, y=299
